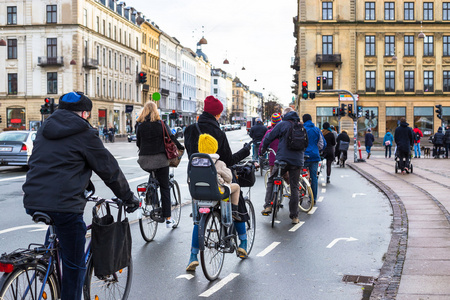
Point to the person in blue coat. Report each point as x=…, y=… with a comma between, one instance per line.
x=388, y=140
x=369, y=139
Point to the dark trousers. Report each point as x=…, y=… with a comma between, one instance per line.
x=162, y=175
x=294, y=174
x=437, y=150
x=329, y=162
x=404, y=158
x=387, y=149
x=447, y=146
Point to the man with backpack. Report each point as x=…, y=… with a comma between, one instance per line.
x=293, y=141
x=257, y=133
x=417, y=135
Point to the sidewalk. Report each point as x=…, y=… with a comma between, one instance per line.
x=417, y=264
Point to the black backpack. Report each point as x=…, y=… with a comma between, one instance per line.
x=297, y=138
x=416, y=136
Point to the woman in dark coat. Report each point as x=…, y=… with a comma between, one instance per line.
x=152, y=153
x=328, y=152
x=343, y=136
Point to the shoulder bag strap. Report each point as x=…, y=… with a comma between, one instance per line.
x=198, y=129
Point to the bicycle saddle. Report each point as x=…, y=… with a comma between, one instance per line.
x=282, y=164
x=42, y=217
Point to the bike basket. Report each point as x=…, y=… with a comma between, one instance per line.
x=246, y=175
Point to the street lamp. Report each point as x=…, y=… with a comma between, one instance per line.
x=2, y=42
x=421, y=34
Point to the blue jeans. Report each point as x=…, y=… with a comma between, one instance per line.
x=417, y=149
x=255, y=150
x=368, y=149
x=240, y=228
x=313, y=166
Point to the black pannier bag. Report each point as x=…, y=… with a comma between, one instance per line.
x=246, y=175
x=111, y=242
x=343, y=146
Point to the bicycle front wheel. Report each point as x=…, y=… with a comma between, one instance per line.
x=114, y=286
x=147, y=225
x=175, y=199
x=26, y=283
x=306, y=201
x=250, y=225
x=212, y=257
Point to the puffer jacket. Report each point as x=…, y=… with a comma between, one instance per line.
x=316, y=141
x=403, y=137
x=388, y=137
x=328, y=152
x=438, y=138
x=273, y=145
x=224, y=175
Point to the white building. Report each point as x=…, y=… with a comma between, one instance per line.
x=203, y=78
x=254, y=107
x=219, y=90
x=189, y=86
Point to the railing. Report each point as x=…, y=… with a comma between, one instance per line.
x=90, y=63
x=50, y=61
x=328, y=58
x=165, y=92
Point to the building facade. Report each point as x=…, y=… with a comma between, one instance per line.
x=219, y=90
x=240, y=92
x=150, y=59
x=203, y=78
x=394, y=55
x=189, y=86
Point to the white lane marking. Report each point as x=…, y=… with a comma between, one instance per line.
x=128, y=158
x=219, y=285
x=138, y=178
x=313, y=210
x=268, y=249
x=41, y=229
x=350, y=239
x=324, y=184
x=357, y=194
x=13, y=178
x=24, y=227
x=297, y=226
x=342, y=176
x=324, y=190
x=186, y=276
x=322, y=178
x=320, y=199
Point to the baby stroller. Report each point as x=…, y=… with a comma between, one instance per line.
x=409, y=165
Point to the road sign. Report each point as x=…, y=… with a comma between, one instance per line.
x=348, y=97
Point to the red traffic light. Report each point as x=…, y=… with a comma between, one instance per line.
x=304, y=84
x=173, y=111
x=47, y=100
x=141, y=74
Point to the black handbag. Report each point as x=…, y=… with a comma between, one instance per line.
x=343, y=146
x=111, y=242
x=246, y=175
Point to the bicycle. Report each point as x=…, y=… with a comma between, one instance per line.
x=215, y=238
x=36, y=272
x=150, y=212
x=277, y=190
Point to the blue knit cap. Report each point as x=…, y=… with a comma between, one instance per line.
x=75, y=101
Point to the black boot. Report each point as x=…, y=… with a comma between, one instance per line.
x=328, y=179
x=235, y=213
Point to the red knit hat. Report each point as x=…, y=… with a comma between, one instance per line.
x=213, y=106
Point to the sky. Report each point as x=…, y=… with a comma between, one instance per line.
x=255, y=34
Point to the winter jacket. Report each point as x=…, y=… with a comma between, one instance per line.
x=403, y=137
x=328, y=152
x=388, y=137
x=280, y=132
x=257, y=132
x=149, y=138
x=224, y=175
x=341, y=137
x=66, y=151
x=273, y=145
x=417, y=130
x=438, y=138
x=208, y=124
x=369, y=139
x=447, y=136
x=316, y=141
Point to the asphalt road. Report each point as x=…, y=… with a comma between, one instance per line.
x=347, y=234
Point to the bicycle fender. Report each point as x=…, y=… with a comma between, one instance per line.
x=201, y=232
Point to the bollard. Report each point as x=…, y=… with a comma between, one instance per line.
x=359, y=149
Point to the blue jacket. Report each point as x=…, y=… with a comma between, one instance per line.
x=388, y=137
x=280, y=131
x=316, y=141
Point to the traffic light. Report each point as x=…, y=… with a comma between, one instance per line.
x=367, y=114
x=45, y=108
x=372, y=115
x=173, y=115
x=350, y=109
x=142, y=77
x=342, y=111
x=52, y=105
x=0, y=118
x=312, y=95
x=359, y=111
x=305, y=90
x=439, y=111
x=318, y=84
x=334, y=112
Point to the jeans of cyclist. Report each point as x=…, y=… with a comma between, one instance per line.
x=313, y=166
x=255, y=150
x=417, y=149
x=162, y=175
x=240, y=228
x=294, y=175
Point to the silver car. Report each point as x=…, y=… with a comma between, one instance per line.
x=16, y=147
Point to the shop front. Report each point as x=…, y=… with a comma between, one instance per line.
x=15, y=119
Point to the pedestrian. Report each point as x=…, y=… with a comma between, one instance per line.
x=417, y=135
x=257, y=133
x=368, y=141
x=328, y=152
x=342, y=137
x=404, y=141
x=388, y=140
x=152, y=153
x=316, y=143
x=66, y=151
x=208, y=123
x=111, y=133
x=447, y=140
x=438, y=142
x=294, y=160
x=276, y=118
x=105, y=134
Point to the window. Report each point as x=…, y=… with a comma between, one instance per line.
x=428, y=46
x=409, y=10
x=12, y=83
x=115, y=32
x=12, y=49
x=370, y=10
x=109, y=30
x=328, y=84
x=409, y=45
x=104, y=27
x=115, y=61
x=327, y=10
x=98, y=24
x=120, y=90
x=446, y=87
x=98, y=54
x=215, y=91
x=52, y=48
x=85, y=17
x=446, y=11
x=423, y=119
x=446, y=44
x=389, y=11
x=370, y=45
x=104, y=87
x=409, y=81
x=109, y=88
x=52, y=83
x=12, y=15
x=215, y=81
x=120, y=63
x=370, y=81
x=98, y=86
x=104, y=57
x=428, y=11
x=428, y=81
x=327, y=44
x=51, y=13
x=389, y=45
x=110, y=59
x=389, y=81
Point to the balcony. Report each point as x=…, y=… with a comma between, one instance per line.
x=90, y=63
x=165, y=92
x=179, y=96
x=45, y=61
x=295, y=63
x=145, y=87
x=328, y=59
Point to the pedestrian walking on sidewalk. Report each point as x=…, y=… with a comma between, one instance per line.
x=369, y=139
x=328, y=152
x=404, y=140
x=447, y=140
x=438, y=142
x=417, y=135
x=387, y=142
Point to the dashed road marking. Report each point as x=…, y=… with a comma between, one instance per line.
x=268, y=249
x=324, y=190
x=40, y=226
x=324, y=184
x=138, y=178
x=357, y=194
x=313, y=210
x=320, y=199
x=186, y=276
x=128, y=158
x=219, y=285
x=297, y=226
x=13, y=178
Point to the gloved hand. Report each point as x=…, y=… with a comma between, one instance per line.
x=248, y=146
x=131, y=204
x=263, y=151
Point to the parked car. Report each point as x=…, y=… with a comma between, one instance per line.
x=222, y=127
x=131, y=137
x=236, y=126
x=177, y=132
x=228, y=127
x=16, y=147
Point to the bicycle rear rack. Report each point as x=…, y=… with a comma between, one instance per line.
x=24, y=256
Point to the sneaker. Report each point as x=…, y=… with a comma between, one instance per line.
x=328, y=179
x=170, y=223
x=193, y=263
x=236, y=216
x=368, y=156
x=295, y=221
x=267, y=211
x=242, y=249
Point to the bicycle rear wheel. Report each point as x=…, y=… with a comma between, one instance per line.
x=147, y=225
x=275, y=204
x=26, y=283
x=306, y=202
x=114, y=286
x=212, y=257
x=175, y=199
x=250, y=225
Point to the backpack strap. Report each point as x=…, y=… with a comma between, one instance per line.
x=198, y=129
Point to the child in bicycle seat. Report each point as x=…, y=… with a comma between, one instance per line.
x=208, y=144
